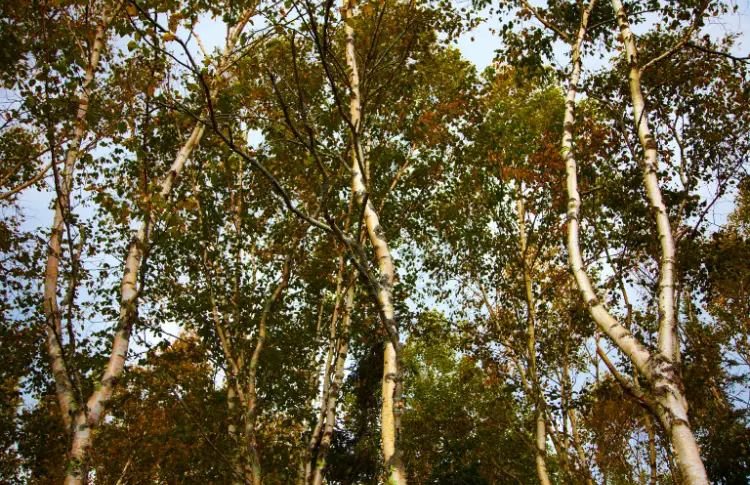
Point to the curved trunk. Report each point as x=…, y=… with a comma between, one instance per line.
x=63, y=383
x=666, y=398
x=94, y=410
x=90, y=417
x=667, y=328
x=620, y=335
x=391, y=406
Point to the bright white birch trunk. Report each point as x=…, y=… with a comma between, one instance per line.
x=611, y=327
x=664, y=378
x=667, y=330
x=390, y=412
x=335, y=389
x=64, y=387
x=90, y=417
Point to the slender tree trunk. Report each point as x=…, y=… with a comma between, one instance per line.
x=335, y=390
x=66, y=398
x=541, y=449
x=241, y=474
x=121, y=480
x=392, y=385
x=672, y=467
x=666, y=398
x=540, y=452
x=667, y=337
x=613, y=329
x=651, y=449
x=252, y=395
x=238, y=474
x=665, y=374
x=313, y=383
x=565, y=399
x=328, y=371
x=579, y=448
x=90, y=417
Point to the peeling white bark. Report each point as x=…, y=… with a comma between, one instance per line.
x=90, y=417
x=390, y=411
x=666, y=397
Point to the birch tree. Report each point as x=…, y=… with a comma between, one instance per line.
x=661, y=369
x=328, y=251
x=85, y=414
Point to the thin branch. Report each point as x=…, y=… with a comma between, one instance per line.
x=713, y=52
x=547, y=23
x=680, y=44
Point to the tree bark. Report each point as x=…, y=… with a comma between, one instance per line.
x=91, y=415
x=654, y=478
x=328, y=371
x=540, y=450
x=579, y=448
x=666, y=398
x=667, y=329
x=665, y=376
x=391, y=388
x=66, y=398
x=335, y=389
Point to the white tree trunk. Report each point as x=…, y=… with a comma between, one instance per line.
x=666, y=394
x=64, y=387
x=390, y=411
x=90, y=417
x=665, y=375
x=335, y=390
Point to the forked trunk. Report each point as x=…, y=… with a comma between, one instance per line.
x=665, y=375
x=66, y=399
x=666, y=397
x=91, y=415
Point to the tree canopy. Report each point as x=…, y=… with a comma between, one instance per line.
x=300, y=242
